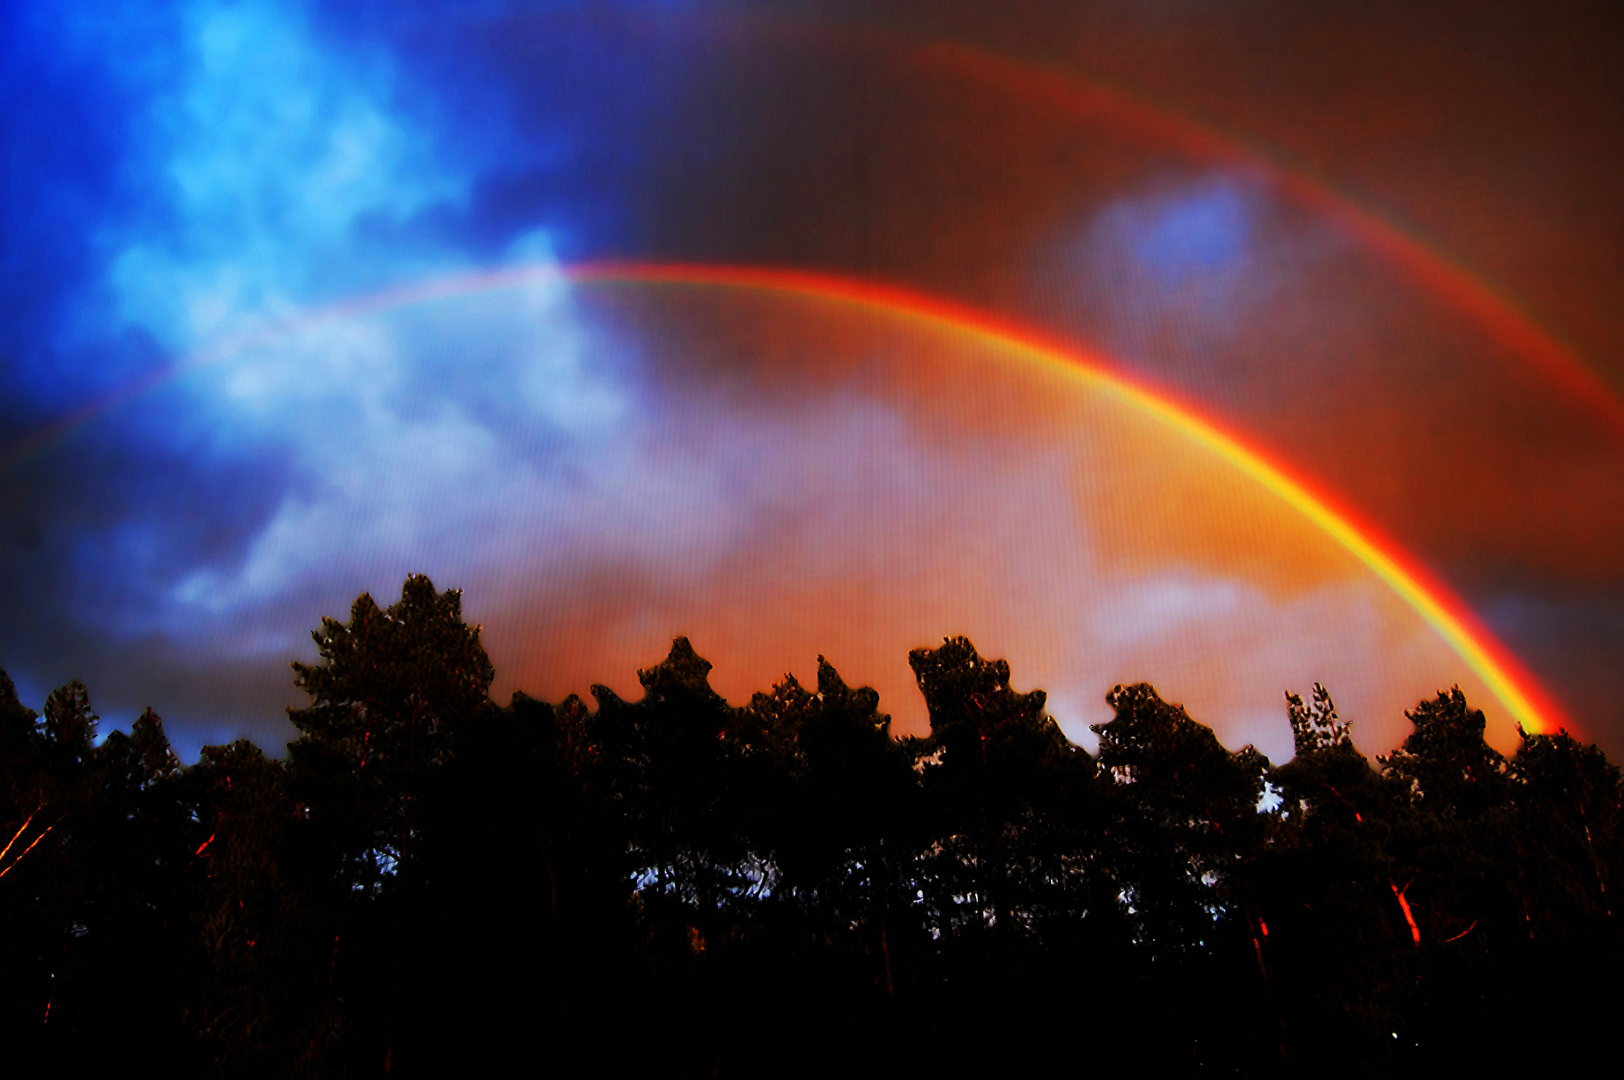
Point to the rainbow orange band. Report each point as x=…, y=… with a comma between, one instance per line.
x=1487, y=659
x=1447, y=615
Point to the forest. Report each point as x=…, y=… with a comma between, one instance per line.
x=431, y=883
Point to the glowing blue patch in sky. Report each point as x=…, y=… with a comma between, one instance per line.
x=1201, y=233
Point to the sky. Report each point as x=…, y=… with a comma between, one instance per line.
x=292, y=304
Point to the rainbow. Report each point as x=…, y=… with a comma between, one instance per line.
x=1499, y=671
x=1134, y=114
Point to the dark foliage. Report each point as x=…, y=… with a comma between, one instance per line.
x=430, y=884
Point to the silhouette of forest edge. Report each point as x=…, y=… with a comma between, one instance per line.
x=679, y=885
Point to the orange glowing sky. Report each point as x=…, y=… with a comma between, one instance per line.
x=855, y=483
x=1377, y=249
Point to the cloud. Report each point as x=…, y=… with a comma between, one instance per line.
x=1207, y=280
x=1204, y=232
x=1188, y=251
x=1229, y=650
x=213, y=170
x=281, y=173
x=267, y=169
x=271, y=152
x=414, y=438
x=1157, y=607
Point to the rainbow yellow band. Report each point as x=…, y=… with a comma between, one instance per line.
x=1448, y=617
x=1490, y=662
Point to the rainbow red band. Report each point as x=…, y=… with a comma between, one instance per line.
x=1516, y=690
x=1447, y=615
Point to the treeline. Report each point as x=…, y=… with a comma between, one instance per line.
x=431, y=884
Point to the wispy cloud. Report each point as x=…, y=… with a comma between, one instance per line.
x=269, y=156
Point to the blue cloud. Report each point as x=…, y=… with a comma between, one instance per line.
x=1202, y=232
x=1186, y=247
x=66, y=133
x=265, y=155
x=185, y=174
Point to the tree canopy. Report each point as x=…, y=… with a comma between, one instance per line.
x=431, y=881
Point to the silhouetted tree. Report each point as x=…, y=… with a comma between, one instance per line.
x=1453, y=853
x=262, y=922
x=846, y=799
x=94, y=848
x=392, y=686
x=991, y=770
x=1344, y=964
x=1566, y=860
x=1186, y=829
x=432, y=884
x=1571, y=821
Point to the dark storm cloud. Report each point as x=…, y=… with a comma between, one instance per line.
x=63, y=140
x=1574, y=638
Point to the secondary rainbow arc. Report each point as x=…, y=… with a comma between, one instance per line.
x=1442, y=275
x=1499, y=671
x=1129, y=110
